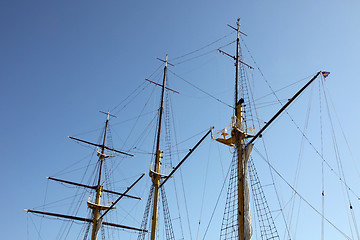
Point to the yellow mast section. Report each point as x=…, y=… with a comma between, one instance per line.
x=155, y=174
x=96, y=213
x=237, y=141
x=97, y=207
x=238, y=135
x=156, y=183
x=239, y=146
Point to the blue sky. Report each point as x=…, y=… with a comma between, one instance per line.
x=61, y=62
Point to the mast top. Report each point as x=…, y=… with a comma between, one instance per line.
x=166, y=61
x=108, y=114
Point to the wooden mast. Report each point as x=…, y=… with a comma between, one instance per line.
x=239, y=140
x=238, y=135
x=96, y=208
x=155, y=174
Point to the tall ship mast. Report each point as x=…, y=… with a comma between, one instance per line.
x=237, y=140
x=98, y=209
x=240, y=227
x=155, y=173
x=160, y=176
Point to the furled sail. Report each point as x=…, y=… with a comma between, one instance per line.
x=247, y=213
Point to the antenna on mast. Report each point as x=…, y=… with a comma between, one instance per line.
x=237, y=62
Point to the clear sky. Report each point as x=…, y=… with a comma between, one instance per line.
x=62, y=61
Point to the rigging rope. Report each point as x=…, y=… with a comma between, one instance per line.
x=267, y=225
x=87, y=231
x=167, y=219
x=217, y=202
x=300, y=196
x=340, y=165
x=136, y=121
x=340, y=125
x=27, y=226
x=65, y=228
x=43, y=209
x=322, y=167
x=287, y=230
x=229, y=225
x=203, y=195
x=206, y=53
x=317, y=151
x=133, y=92
x=298, y=165
x=175, y=186
x=39, y=235
x=217, y=99
x=199, y=49
x=137, y=88
x=187, y=211
x=145, y=219
x=287, y=86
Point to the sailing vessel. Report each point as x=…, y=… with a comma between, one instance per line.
x=237, y=221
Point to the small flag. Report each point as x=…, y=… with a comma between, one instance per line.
x=325, y=74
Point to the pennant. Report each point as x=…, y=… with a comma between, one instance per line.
x=325, y=74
